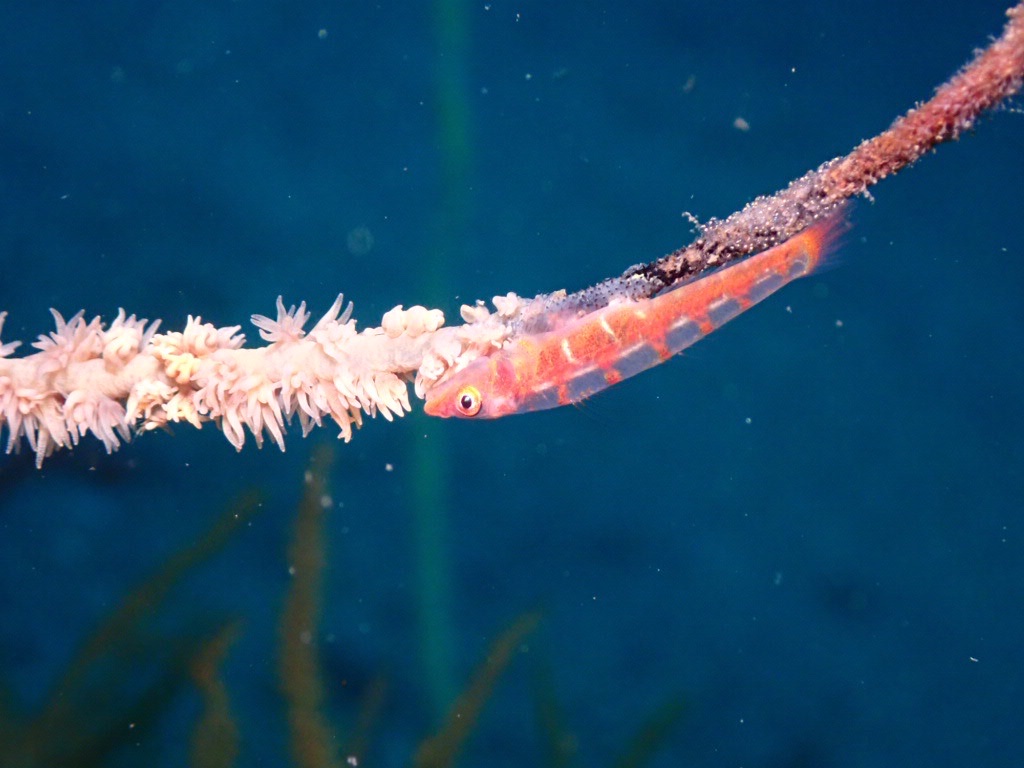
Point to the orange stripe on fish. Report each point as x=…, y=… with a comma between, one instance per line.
x=584, y=355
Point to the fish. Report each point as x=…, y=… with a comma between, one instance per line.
x=581, y=356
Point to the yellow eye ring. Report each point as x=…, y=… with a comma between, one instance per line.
x=468, y=401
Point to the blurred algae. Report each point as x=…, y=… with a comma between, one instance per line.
x=651, y=735
x=561, y=747
x=125, y=674
x=215, y=736
x=443, y=748
x=312, y=740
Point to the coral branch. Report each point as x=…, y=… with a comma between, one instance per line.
x=111, y=381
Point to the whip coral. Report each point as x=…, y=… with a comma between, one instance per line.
x=113, y=380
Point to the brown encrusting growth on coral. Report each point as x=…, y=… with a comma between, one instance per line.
x=995, y=74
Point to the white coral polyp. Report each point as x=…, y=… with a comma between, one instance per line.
x=88, y=411
x=287, y=327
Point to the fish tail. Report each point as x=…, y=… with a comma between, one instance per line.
x=824, y=239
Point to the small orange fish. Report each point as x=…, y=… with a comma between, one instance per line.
x=584, y=355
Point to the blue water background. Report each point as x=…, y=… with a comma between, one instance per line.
x=809, y=527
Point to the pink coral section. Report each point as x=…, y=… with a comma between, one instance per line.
x=112, y=381
x=73, y=385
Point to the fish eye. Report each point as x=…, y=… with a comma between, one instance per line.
x=468, y=401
